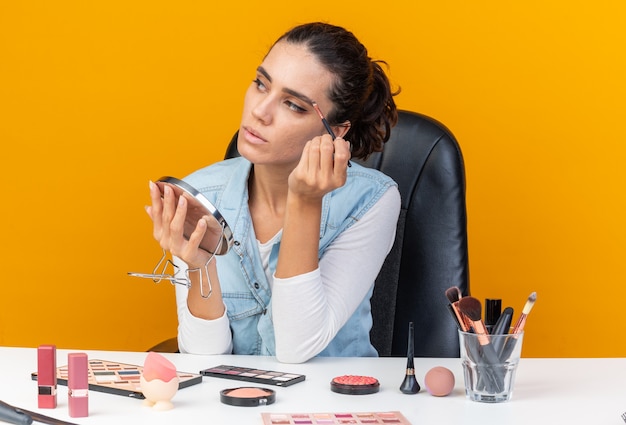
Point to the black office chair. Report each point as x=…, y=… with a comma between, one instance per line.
x=431, y=250
x=430, y=253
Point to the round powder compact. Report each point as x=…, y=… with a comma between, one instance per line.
x=247, y=396
x=354, y=385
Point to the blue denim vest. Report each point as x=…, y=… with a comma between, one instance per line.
x=245, y=289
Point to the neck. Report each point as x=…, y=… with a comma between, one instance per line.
x=267, y=186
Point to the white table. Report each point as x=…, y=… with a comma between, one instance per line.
x=547, y=391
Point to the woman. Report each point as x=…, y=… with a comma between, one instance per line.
x=311, y=229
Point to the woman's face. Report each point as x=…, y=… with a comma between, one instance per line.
x=278, y=118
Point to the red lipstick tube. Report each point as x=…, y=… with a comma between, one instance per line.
x=47, y=376
x=78, y=385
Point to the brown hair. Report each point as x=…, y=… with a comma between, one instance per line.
x=361, y=93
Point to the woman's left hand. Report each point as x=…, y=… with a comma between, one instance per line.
x=322, y=167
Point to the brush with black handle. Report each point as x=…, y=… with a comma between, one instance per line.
x=502, y=327
x=19, y=416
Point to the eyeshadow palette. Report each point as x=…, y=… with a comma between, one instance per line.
x=268, y=377
x=334, y=418
x=119, y=378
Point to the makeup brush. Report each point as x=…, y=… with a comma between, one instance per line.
x=454, y=312
x=410, y=385
x=326, y=124
x=25, y=417
x=453, y=294
x=521, y=322
x=503, y=324
x=324, y=121
x=13, y=415
x=501, y=327
x=472, y=308
x=509, y=344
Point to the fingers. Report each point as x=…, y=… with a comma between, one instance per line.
x=312, y=157
x=168, y=210
x=196, y=236
x=341, y=155
x=322, y=154
x=154, y=211
x=177, y=224
x=327, y=155
x=322, y=167
x=148, y=209
x=168, y=216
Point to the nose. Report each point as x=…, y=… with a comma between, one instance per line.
x=262, y=109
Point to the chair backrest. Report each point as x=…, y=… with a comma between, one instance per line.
x=430, y=253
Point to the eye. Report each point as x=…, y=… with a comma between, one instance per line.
x=259, y=85
x=294, y=107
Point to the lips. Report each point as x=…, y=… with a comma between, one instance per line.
x=252, y=136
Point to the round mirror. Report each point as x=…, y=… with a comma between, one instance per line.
x=198, y=207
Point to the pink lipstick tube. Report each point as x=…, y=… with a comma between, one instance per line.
x=47, y=376
x=78, y=385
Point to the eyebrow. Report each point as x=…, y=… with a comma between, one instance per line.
x=292, y=92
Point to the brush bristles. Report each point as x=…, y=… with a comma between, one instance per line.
x=471, y=307
x=453, y=294
x=530, y=303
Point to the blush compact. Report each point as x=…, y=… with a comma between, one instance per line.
x=248, y=396
x=354, y=385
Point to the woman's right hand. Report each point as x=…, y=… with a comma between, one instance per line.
x=168, y=218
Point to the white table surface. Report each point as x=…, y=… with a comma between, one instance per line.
x=547, y=391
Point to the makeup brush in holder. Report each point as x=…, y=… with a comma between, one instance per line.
x=487, y=358
x=410, y=385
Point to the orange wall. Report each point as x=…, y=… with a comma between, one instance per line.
x=98, y=97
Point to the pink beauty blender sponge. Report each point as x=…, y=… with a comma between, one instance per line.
x=439, y=381
x=158, y=367
x=159, y=381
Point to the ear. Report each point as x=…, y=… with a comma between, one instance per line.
x=340, y=130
